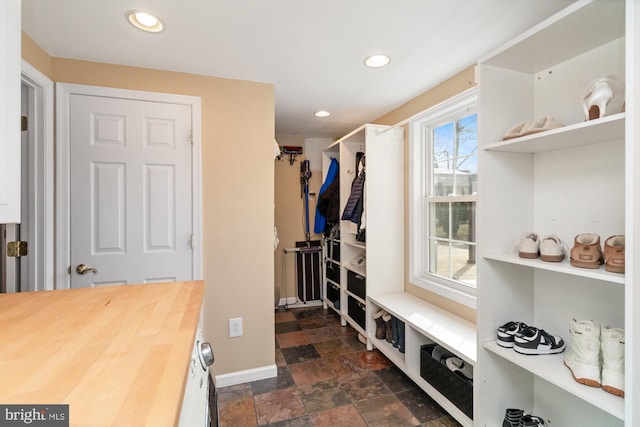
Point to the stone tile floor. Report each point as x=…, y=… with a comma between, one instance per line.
x=326, y=377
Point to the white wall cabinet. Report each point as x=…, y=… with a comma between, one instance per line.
x=575, y=179
x=10, y=111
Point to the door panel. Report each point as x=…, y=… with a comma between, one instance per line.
x=108, y=208
x=130, y=190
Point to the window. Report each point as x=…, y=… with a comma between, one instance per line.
x=443, y=195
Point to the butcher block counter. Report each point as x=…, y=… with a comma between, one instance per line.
x=118, y=355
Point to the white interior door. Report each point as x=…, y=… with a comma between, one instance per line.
x=130, y=191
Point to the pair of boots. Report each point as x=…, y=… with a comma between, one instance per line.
x=389, y=328
x=596, y=355
x=517, y=418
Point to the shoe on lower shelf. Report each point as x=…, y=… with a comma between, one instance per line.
x=507, y=332
x=536, y=341
x=612, y=344
x=455, y=364
x=586, y=251
x=381, y=325
x=583, y=356
x=512, y=417
x=531, y=421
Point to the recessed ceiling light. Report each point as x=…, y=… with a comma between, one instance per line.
x=322, y=113
x=377, y=61
x=145, y=21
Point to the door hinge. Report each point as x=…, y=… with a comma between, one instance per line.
x=16, y=249
x=193, y=244
x=24, y=123
x=191, y=137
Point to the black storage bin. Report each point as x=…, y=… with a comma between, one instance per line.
x=309, y=270
x=356, y=284
x=357, y=311
x=333, y=293
x=456, y=389
x=332, y=272
x=333, y=250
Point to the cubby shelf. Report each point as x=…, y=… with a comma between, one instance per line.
x=564, y=267
x=552, y=369
x=356, y=244
x=358, y=269
x=594, y=131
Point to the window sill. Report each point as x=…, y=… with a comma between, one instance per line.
x=466, y=297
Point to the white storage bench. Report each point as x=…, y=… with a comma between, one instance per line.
x=425, y=324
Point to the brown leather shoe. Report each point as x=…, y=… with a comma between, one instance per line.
x=614, y=254
x=586, y=251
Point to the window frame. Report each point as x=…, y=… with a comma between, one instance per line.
x=454, y=108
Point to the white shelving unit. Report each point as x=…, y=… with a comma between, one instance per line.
x=567, y=181
x=383, y=270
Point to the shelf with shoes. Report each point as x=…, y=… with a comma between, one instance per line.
x=578, y=134
x=563, y=267
x=551, y=368
x=563, y=181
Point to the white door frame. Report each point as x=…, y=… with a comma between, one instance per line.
x=63, y=93
x=41, y=165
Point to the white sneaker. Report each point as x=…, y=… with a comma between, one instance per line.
x=612, y=340
x=456, y=364
x=583, y=356
x=551, y=249
x=529, y=245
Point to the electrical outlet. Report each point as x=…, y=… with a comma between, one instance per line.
x=235, y=327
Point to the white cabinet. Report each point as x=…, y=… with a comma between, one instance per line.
x=383, y=270
x=571, y=180
x=10, y=111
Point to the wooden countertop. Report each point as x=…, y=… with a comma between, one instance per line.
x=118, y=355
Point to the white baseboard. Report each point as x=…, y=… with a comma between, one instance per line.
x=246, y=376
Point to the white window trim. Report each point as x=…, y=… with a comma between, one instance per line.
x=444, y=111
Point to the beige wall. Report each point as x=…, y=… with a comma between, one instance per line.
x=454, y=85
x=237, y=192
x=289, y=211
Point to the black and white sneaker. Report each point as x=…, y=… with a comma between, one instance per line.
x=507, y=332
x=531, y=421
x=532, y=340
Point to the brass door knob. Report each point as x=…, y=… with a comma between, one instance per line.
x=84, y=269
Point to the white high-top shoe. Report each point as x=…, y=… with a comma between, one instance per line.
x=583, y=355
x=613, y=360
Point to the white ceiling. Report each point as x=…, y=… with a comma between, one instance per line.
x=312, y=51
